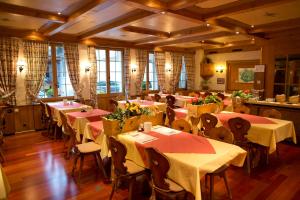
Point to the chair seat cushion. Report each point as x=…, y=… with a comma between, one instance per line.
x=174, y=186
x=88, y=147
x=133, y=168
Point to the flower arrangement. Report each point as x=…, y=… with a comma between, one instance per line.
x=197, y=101
x=131, y=109
x=244, y=94
x=208, y=99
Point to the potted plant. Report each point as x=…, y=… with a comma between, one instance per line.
x=240, y=96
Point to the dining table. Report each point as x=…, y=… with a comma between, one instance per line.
x=180, y=100
x=264, y=131
x=152, y=105
x=65, y=107
x=78, y=120
x=4, y=185
x=190, y=156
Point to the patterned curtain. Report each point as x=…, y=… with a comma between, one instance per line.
x=176, y=62
x=127, y=71
x=36, y=57
x=72, y=58
x=160, y=60
x=190, y=70
x=93, y=74
x=141, y=60
x=9, y=49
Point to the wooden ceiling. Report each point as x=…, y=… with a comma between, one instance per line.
x=150, y=23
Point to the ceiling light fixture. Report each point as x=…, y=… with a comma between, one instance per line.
x=252, y=26
x=59, y=13
x=162, y=12
x=207, y=24
x=237, y=32
x=202, y=41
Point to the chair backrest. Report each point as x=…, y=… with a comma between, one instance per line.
x=272, y=113
x=159, y=166
x=242, y=109
x=90, y=102
x=195, y=120
x=171, y=101
x=170, y=114
x=114, y=104
x=49, y=111
x=181, y=125
x=118, y=153
x=222, y=96
x=222, y=134
x=207, y=93
x=65, y=123
x=239, y=127
x=43, y=109
x=157, y=97
x=208, y=121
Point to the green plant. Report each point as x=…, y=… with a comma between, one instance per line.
x=212, y=99
x=245, y=94
x=198, y=101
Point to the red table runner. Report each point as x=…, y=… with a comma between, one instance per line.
x=93, y=115
x=96, y=128
x=177, y=143
x=253, y=119
x=181, y=113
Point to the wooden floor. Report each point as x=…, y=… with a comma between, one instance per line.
x=36, y=169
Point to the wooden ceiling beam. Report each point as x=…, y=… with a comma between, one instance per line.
x=31, y=12
x=195, y=38
x=119, y=22
x=180, y=4
x=146, y=31
x=74, y=17
x=146, y=40
x=241, y=7
x=276, y=26
x=191, y=31
x=149, y=5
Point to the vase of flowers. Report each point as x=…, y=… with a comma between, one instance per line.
x=240, y=96
x=209, y=104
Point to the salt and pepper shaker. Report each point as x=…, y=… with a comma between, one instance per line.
x=141, y=127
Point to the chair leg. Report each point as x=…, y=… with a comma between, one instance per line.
x=80, y=168
x=248, y=163
x=226, y=185
x=211, y=187
x=71, y=143
x=74, y=165
x=131, y=188
x=113, y=189
x=101, y=165
x=1, y=156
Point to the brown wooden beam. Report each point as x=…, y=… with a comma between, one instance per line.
x=195, y=38
x=120, y=21
x=242, y=6
x=180, y=4
x=191, y=31
x=74, y=17
x=149, y=5
x=31, y=12
x=146, y=40
x=147, y=31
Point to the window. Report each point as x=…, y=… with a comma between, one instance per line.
x=109, y=61
x=182, y=78
x=150, y=75
x=61, y=85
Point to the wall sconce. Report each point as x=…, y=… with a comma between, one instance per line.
x=133, y=68
x=168, y=67
x=219, y=69
x=21, y=64
x=87, y=67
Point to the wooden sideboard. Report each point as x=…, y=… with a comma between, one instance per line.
x=288, y=112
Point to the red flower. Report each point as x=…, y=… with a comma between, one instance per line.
x=246, y=91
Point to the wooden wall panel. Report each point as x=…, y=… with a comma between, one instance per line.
x=24, y=118
x=37, y=118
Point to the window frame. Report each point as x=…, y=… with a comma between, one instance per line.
x=107, y=59
x=147, y=75
x=186, y=78
x=54, y=76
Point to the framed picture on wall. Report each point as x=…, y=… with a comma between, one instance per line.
x=246, y=75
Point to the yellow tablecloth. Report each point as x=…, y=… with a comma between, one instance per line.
x=4, y=185
x=155, y=106
x=270, y=134
x=187, y=168
x=56, y=110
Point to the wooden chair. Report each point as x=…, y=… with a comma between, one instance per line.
x=242, y=109
x=272, y=113
x=52, y=125
x=44, y=117
x=181, y=125
x=221, y=96
x=240, y=127
x=85, y=149
x=67, y=134
x=123, y=169
x=171, y=115
x=224, y=135
x=171, y=101
x=163, y=187
x=113, y=105
x=195, y=121
x=2, y=124
x=90, y=102
x=207, y=93
x=157, y=97
x=208, y=121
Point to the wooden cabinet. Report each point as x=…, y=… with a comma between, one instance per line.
x=287, y=75
x=24, y=118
